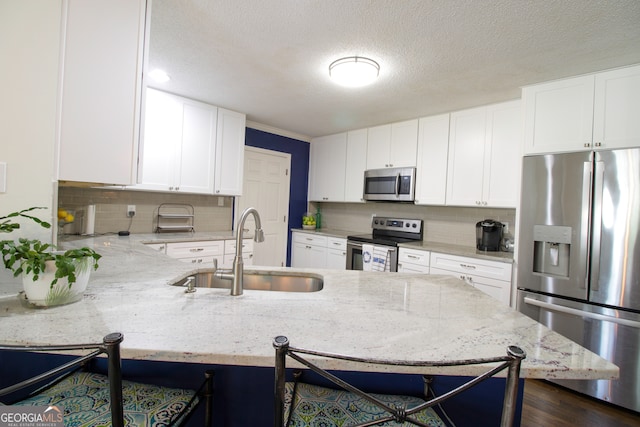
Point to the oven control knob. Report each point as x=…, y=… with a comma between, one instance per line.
x=414, y=225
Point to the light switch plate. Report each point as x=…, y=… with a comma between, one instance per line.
x=3, y=177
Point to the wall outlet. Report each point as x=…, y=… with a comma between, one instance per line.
x=131, y=211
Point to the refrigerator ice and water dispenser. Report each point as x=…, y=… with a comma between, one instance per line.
x=552, y=250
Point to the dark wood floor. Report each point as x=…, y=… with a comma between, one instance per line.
x=546, y=404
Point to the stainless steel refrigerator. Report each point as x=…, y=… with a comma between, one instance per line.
x=579, y=259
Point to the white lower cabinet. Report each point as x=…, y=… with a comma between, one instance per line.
x=309, y=251
x=201, y=253
x=160, y=247
x=413, y=261
x=230, y=253
x=336, y=253
x=491, y=277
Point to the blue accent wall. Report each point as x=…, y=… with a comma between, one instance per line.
x=299, y=173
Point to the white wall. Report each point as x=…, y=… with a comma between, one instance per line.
x=29, y=48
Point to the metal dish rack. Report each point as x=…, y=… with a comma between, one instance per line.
x=174, y=217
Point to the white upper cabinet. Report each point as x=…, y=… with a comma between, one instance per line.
x=99, y=117
x=466, y=157
x=597, y=111
x=484, y=156
x=327, y=164
x=558, y=115
x=189, y=146
x=616, y=109
x=230, y=152
x=356, y=164
x=431, y=172
x=503, y=160
x=178, y=144
x=392, y=145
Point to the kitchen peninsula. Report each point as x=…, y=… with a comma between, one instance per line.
x=378, y=315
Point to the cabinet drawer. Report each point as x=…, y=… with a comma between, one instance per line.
x=413, y=256
x=195, y=249
x=473, y=266
x=230, y=246
x=336, y=243
x=227, y=261
x=498, y=289
x=310, y=239
x=160, y=247
x=200, y=261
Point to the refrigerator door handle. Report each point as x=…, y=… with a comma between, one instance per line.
x=598, y=188
x=576, y=312
x=587, y=170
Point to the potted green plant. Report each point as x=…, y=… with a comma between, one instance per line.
x=49, y=277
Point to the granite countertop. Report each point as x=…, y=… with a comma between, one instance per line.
x=329, y=232
x=150, y=238
x=468, y=251
x=381, y=315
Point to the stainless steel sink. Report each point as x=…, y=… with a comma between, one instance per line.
x=261, y=281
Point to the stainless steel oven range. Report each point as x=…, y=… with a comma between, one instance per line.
x=386, y=233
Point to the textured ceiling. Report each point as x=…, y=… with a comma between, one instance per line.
x=269, y=58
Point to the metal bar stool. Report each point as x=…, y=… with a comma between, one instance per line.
x=300, y=404
x=88, y=399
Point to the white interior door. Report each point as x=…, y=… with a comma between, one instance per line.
x=266, y=188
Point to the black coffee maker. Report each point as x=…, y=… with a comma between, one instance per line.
x=488, y=235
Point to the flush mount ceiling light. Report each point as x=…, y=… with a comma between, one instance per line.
x=354, y=71
x=159, y=76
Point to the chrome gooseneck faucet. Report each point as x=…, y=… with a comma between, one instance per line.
x=236, y=274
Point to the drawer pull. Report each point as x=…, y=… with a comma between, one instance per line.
x=413, y=256
x=196, y=249
x=472, y=267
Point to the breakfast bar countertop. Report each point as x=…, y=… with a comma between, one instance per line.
x=370, y=314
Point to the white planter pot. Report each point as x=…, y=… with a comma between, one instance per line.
x=41, y=293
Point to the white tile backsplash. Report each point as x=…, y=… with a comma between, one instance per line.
x=442, y=224
x=111, y=208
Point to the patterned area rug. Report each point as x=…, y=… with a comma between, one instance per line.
x=84, y=398
x=319, y=406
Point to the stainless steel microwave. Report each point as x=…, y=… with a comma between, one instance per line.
x=390, y=184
